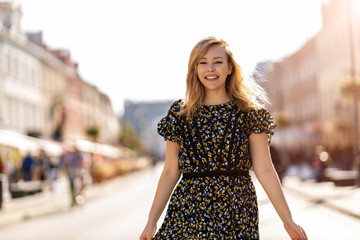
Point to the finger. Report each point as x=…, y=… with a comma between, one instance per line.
x=300, y=234
x=303, y=233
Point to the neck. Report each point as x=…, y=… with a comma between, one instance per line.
x=215, y=97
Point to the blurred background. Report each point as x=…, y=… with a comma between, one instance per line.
x=83, y=85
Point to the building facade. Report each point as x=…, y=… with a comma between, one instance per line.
x=20, y=72
x=109, y=123
x=41, y=92
x=337, y=45
x=53, y=75
x=306, y=87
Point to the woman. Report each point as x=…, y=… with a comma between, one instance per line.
x=213, y=138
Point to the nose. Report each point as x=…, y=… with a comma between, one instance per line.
x=211, y=67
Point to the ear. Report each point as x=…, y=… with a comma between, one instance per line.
x=230, y=69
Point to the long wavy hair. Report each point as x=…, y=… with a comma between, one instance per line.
x=246, y=93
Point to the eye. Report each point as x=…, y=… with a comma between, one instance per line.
x=202, y=63
x=218, y=62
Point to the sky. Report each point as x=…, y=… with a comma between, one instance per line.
x=139, y=49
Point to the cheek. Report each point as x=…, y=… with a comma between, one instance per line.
x=201, y=81
x=198, y=76
x=226, y=70
x=199, y=73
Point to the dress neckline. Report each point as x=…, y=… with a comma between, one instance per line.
x=218, y=105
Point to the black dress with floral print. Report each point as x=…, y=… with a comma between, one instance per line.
x=215, y=139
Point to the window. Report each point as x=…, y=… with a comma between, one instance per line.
x=5, y=112
x=9, y=63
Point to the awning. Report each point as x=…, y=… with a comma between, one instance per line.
x=102, y=149
x=25, y=143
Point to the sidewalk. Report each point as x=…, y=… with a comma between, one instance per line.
x=58, y=200
x=45, y=202
x=342, y=199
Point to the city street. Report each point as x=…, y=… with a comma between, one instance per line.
x=88, y=102
x=121, y=212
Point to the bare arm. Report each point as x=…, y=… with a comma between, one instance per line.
x=267, y=176
x=169, y=177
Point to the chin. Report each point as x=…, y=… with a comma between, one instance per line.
x=214, y=88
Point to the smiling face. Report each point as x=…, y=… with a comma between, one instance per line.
x=213, y=69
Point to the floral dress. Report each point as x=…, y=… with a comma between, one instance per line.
x=215, y=198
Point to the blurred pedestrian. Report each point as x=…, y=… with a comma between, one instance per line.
x=320, y=161
x=42, y=167
x=73, y=161
x=2, y=171
x=27, y=167
x=2, y=165
x=10, y=169
x=278, y=162
x=53, y=171
x=213, y=138
x=346, y=159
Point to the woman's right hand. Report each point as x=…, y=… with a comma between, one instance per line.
x=149, y=232
x=295, y=231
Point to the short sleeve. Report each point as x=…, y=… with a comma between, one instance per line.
x=169, y=126
x=260, y=120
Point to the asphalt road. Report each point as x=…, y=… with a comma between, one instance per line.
x=120, y=213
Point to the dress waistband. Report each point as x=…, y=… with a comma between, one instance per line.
x=216, y=173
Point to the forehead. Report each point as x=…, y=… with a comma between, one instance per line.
x=215, y=51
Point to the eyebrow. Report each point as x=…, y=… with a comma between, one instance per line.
x=214, y=57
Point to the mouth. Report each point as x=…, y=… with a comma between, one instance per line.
x=212, y=77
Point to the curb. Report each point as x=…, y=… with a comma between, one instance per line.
x=321, y=200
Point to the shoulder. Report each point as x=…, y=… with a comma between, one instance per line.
x=260, y=120
x=176, y=106
x=258, y=113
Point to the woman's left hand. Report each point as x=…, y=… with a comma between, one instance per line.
x=295, y=231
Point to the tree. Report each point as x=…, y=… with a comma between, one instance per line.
x=93, y=132
x=282, y=119
x=34, y=133
x=351, y=88
x=128, y=137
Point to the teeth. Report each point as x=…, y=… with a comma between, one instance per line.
x=213, y=77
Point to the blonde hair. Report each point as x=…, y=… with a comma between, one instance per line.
x=246, y=93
